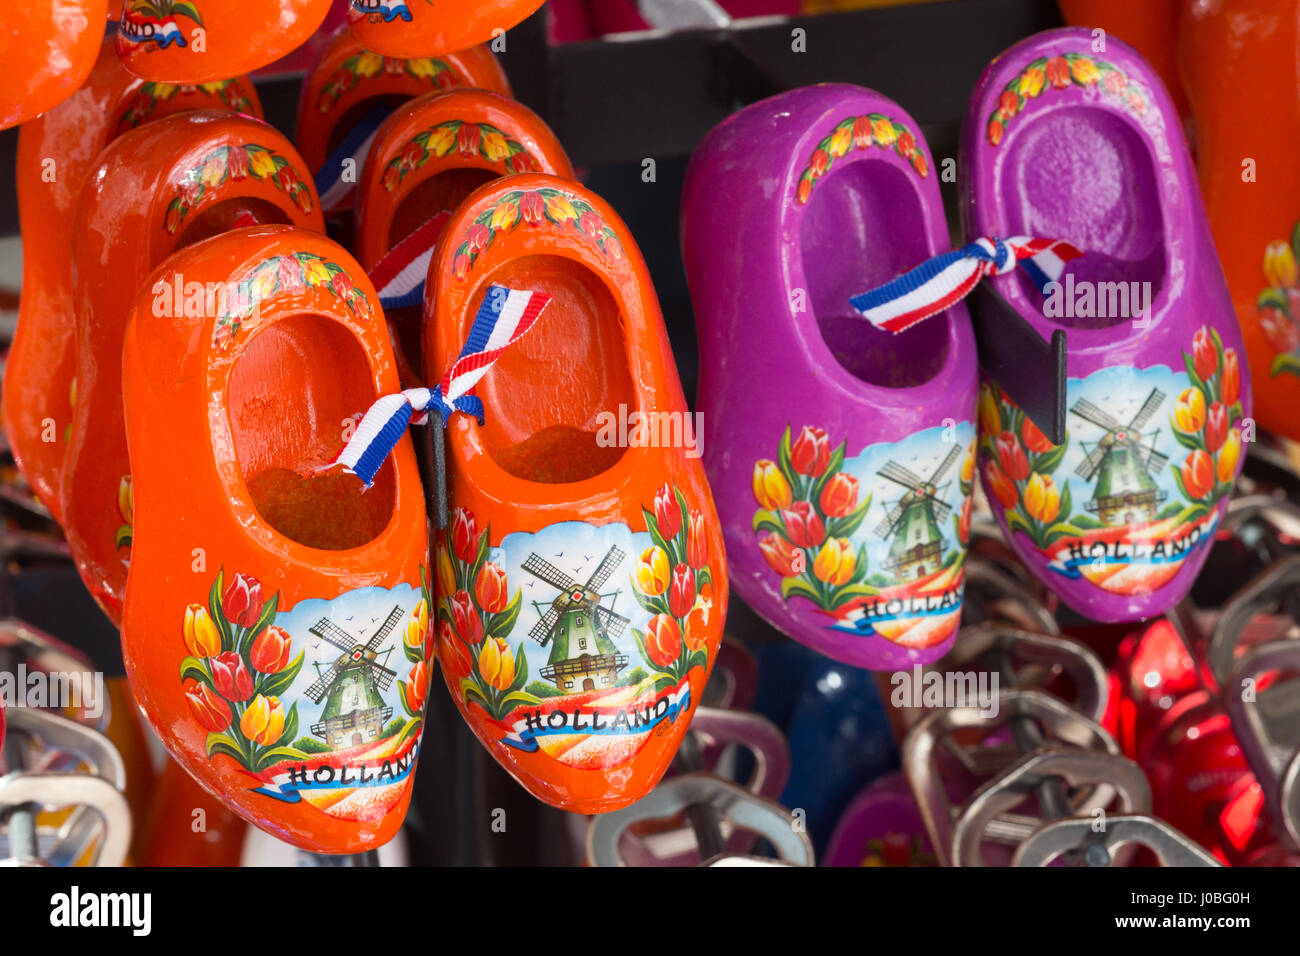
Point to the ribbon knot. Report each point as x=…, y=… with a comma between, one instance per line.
x=945, y=280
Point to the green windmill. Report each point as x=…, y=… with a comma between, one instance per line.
x=1122, y=464
x=917, y=545
x=580, y=630
x=351, y=687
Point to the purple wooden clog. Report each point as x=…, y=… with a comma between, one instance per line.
x=842, y=455
x=1084, y=145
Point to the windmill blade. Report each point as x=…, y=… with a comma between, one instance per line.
x=941, y=509
x=541, y=631
x=1088, y=467
x=1149, y=407
x=611, y=622
x=331, y=633
x=394, y=616
x=900, y=475
x=538, y=567
x=1153, y=460
x=612, y=559
x=891, y=519
x=322, y=684
x=945, y=465
x=1091, y=413
x=381, y=675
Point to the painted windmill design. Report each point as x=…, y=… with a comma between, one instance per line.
x=352, y=686
x=912, y=523
x=579, y=628
x=1122, y=464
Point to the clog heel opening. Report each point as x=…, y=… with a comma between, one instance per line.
x=291, y=390
x=1085, y=175
x=231, y=214
x=553, y=394
x=864, y=226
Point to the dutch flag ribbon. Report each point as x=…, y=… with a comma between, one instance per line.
x=335, y=192
x=946, y=279
x=503, y=318
x=390, y=10
x=399, y=276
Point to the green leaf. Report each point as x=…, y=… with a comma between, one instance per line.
x=521, y=672
x=268, y=758
x=197, y=669
x=765, y=520
x=1287, y=364
x=273, y=685
x=226, y=744
x=799, y=586
x=517, y=697
x=1187, y=441
x=783, y=459
x=1047, y=462
x=188, y=9
x=470, y=688
x=843, y=527
x=655, y=605
x=215, y=612
x=290, y=724
x=266, y=616
x=503, y=623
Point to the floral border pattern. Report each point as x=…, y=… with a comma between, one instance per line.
x=859, y=132
x=1278, y=305
x=470, y=140
x=1059, y=73
x=366, y=65
x=235, y=163
x=534, y=207
x=148, y=96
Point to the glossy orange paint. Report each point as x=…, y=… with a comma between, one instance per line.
x=1241, y=65
x=48, y=48
x=154, y=190
x=422, y=164
x=1150, y=26
x=426, y=28
x=198, y=40
x=170, y=831
x=348, y=80
x=234, y=566
x=539, y=474
x=56, y=152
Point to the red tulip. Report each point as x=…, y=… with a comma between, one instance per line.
x=237, y=160
x=668, y=513
x=1009, y=103
x=532, y=207
x=469, y=139
x=416, y=687
x=242, y=602
x=490, y=588
x=1198, y=474
x=811, y=451
x=452, y=653
x=995, y=131
x=907, y=144
x=1034, y=439
x=468, y=624
x=862, y=132
x=697, y=549
x=1204, y=357
x=779, y=554
x=963, y=521
x=270, y=652
x=820, y=161
x=1216, y=427
x=477, y=237
x=663, y=640
x=1002, y=488
x=1231, y=377
x=464, y=535
x=212, y=713
x=803, y=526
x=1058, y=72
x=230, y=677
x=840, y=496
x=1282, y=333
x=681, y=592
x=1115, y=83
x=1011, y=456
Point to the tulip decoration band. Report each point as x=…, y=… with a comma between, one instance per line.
x=294, y=686
x=40, y=371
x=403, y=28
x=1278, y=305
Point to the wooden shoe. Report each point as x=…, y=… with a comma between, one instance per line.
x=204, y=171
x=844, y=484
x=581, y=585
x=48, y=48
x=276, y=617
x=431, y=154
x=1248, y=158
x=39, y=372
x=1063, y=141
x=420, y=28
x=193, y=41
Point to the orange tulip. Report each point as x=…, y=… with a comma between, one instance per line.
x=771, y=490
x=490, y=588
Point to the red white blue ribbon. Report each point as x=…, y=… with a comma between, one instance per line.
x=399, y=275
x=503, y=318
x=945, y=280
x=335, y=192
x=390, y=10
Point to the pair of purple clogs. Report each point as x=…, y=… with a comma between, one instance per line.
x=857, y=414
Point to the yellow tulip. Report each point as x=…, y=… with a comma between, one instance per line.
x=1031, y=81
x=505, y=215
x=201, y=636
x=560, y=209
x=1085, y=71
x=771, y=489
x=495, y=147
x=263, y=721
x=441, y=140
x=417, y=626
x=125, y=499
x=1280, y=269
x=990, y=417
x=496, y=663
x=163, y=91
x=261, y=163
x=315, y=272
x=1042, y=497
x=214, y=170
x=652, y=575
x=835, y=562
x=841, y=140
x=420, y=66
x=1189, y=413
x=1229, y=455
x=883, y=131
x=968, y=468
x=369, y=64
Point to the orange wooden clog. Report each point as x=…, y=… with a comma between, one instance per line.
x=190, y=41
x=426, y=28
x=581, y=581
x=154, y=190
x=427, y=157
x=1241, y=67
x=276, y=617
x=1151, y=27
x=48, y=48
x=184, y=825
x=349, y=91
x=56, y=153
